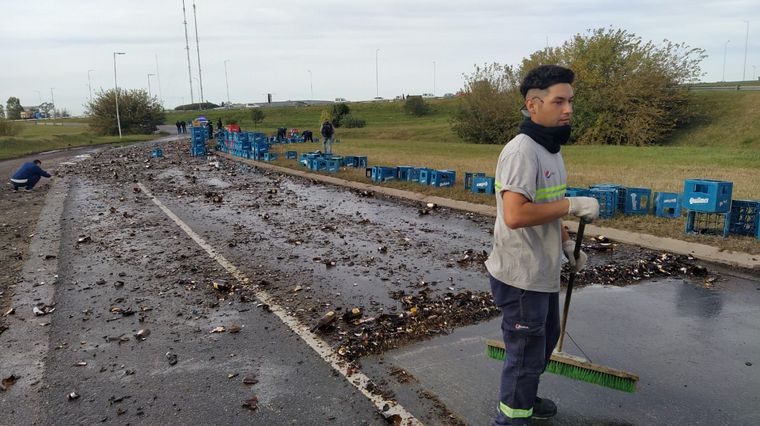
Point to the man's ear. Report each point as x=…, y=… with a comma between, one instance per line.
x=531, y=106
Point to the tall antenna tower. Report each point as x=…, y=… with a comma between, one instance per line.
x=198, y=49
x=158, y=77
x=187, y=48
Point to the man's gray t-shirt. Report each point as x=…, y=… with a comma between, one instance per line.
x=528, y=258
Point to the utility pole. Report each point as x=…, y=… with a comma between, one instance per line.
x=311, y=86
x=89, y=83
x=39, y=95
x=725, y=50
x=116, y=91
x=158, y=77
x=198, y=50
x=149, y=94
x=227, y=82
x=187, y=48
x=746, y=41
x=433, y=77
x=377, y=79
x=52, y=100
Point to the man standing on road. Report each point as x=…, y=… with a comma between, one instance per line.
x=529, y=241
x=28, y=175
x=327, y=133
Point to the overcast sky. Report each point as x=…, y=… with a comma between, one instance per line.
x=272, y=45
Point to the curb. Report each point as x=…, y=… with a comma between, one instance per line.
x=699, y=251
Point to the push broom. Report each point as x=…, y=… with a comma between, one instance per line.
x=573, y=366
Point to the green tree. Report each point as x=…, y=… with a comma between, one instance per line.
x=257, y=116
x=13, y=108
x=627, y=91
x=489, y=111
x=415, y=105
x=139, y=113
x=2, y=112
x=339, y=111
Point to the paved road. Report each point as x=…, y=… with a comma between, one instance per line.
x=136, y=269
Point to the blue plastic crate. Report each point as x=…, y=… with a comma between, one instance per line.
x=349, y=161
x=577, y=192
x=745, y=218
x=269, y=156
x=361, y=161
x=157, y=153
x=291, y=155
x=403, y=172
x=637, y=201
x=333, y=164
x=425, y=175
x=703, y=223
x=619, y=193
x=382, y=173
x=709, y=196
x=468, y=176
x=483, y=184
x=200, y=152
x=443, y=178
x=667, y=204
x=607, y=198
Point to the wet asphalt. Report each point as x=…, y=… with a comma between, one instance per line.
x=317, y=247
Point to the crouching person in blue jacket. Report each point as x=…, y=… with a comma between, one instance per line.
x=28, y=175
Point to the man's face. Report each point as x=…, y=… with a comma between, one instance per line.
x=552, y=106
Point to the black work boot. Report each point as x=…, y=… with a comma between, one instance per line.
x=544, y=408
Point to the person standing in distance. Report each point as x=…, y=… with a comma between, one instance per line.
x=529, y=241
x=327, y=131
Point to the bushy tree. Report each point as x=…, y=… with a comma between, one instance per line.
x=339, y=111
x=627, y=91
x=2, y=112
x=257, y=116
x=139, y=113
x=415, y=105
x=13, y=108
x=489, y=110
x=9, y=128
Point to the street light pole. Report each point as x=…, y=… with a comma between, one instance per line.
x=725, y=50
x=311, y=85
x=149, y=75
x=377, y=79
x=433, y=77
x=198, y=50
x=52, y=100
x=227, y=82
x=187, y=49
x=116, y=91
x=746, y=41
x=89, y=83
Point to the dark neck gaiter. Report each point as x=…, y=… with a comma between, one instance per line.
x=550, y=138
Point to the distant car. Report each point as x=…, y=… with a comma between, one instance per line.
x=378, y=98
x=448, y=95
x=428, y=95
x=340, y=99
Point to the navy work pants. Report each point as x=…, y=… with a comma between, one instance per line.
x=530, y=325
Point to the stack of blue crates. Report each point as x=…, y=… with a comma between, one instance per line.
x=708, y=206
x=198, y=137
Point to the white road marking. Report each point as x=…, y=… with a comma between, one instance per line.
x=358, y=379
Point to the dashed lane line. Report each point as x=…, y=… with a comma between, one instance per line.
x=357, y=378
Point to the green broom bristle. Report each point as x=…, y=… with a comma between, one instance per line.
x=574, y=372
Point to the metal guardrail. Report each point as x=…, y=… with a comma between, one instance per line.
x=728, y=88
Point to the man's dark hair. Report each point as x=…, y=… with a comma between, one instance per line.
x=37, y=162
x=545, y=76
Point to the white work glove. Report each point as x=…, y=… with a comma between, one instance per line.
x=584, y=207
x=577, y=265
